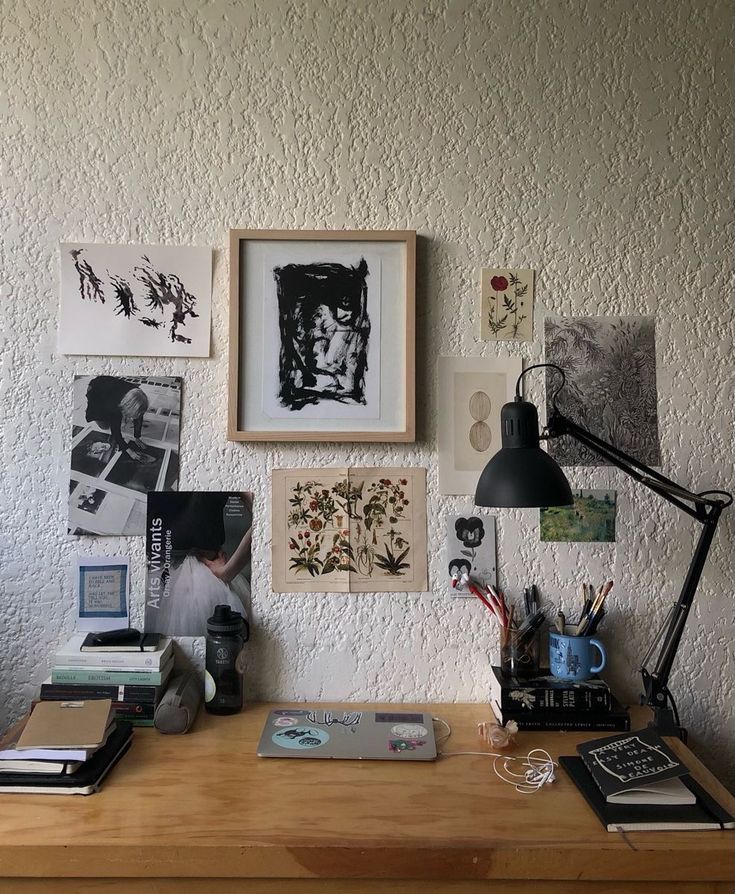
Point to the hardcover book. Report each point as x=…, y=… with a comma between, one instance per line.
x=546, y=693
x=616, y=719
x=71, y=655
x=130, y=694
x=108, y=677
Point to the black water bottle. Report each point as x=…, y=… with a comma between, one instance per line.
x=227, y=633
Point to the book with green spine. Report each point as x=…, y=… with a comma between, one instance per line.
x=117, y=678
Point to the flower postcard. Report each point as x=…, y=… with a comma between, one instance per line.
x=471, y=550
x=506, y=306
x=349, y=530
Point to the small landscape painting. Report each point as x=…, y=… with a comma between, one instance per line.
x=506, y=307
x=591, y=519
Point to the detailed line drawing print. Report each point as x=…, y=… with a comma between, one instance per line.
x=506, y=306
x=135, y=300
x=349, y=530
x=610, y=368
x=90, y=285
x=472, y=391
x=471, y=550
x=325, y=331
x=591, y=519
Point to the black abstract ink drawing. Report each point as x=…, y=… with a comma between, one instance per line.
x=325, y=329
x=161, y=291
x=90, y=285
x=125, y=302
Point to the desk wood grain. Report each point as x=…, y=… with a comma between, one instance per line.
x=181, y=811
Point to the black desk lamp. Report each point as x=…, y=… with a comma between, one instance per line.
x=522, y=474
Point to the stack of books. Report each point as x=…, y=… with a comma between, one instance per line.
x=636, y=783
x=546, y=703
x=62, y=748
x=133, y=680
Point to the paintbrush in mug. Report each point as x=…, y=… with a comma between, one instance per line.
x=592, y=618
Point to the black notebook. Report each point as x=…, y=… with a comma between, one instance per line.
x=706, y=814
x=84, y=781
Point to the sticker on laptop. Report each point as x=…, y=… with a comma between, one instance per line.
x=285, y=721
x=301, y=738
x=409, y=730
x=398, y=745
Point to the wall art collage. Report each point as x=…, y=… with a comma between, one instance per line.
x=322, y=348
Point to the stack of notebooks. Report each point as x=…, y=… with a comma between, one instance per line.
x=63, y=748
x=545, y=703
x=635, y=783
x=132, y=678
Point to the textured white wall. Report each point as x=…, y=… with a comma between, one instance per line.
x=590, y=141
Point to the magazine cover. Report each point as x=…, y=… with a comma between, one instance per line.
x=124, y=442
x=197, y=556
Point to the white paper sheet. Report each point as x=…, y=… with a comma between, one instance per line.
x=135, y=300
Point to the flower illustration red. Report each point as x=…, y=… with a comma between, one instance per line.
x=499, y=283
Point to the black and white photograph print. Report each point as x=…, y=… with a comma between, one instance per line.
x=471, y=550
x=610, y=369
x=135, y=300
x=198, y=555
x=125, y=442
x=324, y=327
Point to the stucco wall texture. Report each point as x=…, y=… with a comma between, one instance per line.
x=588, y=141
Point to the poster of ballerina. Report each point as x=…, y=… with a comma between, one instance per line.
x=198, y=555
x=135, y=300
x=349, y=530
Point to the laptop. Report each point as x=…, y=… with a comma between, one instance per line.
x=357, y=735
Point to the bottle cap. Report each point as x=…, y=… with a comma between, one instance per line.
x=224, y=620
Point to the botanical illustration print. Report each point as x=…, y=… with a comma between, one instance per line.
x=471, y=550
x=129, y=299
x=124, y=443
x=610, y=368
x=590, y=519
x=506, y=305
x=325, y=331
x=356, y=529
x=472, y=391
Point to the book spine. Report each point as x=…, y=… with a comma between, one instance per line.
x=114, y=661
x=133, y=713
x=556, y=699
x=601, y=722
x=155, y=678
x=51, y=692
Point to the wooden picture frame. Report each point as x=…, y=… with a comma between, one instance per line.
x=351, y=376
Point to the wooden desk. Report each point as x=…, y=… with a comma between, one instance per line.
x=184, y=814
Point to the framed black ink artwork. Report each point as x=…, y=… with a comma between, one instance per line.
x=322, y=335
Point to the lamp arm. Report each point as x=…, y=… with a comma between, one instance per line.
x=706, y=511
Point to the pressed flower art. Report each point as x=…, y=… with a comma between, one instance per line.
x=506, y=307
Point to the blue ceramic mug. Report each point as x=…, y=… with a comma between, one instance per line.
x=573, y=657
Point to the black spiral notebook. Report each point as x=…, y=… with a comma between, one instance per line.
x=706, y=814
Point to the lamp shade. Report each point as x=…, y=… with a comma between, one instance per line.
x=521, y=473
